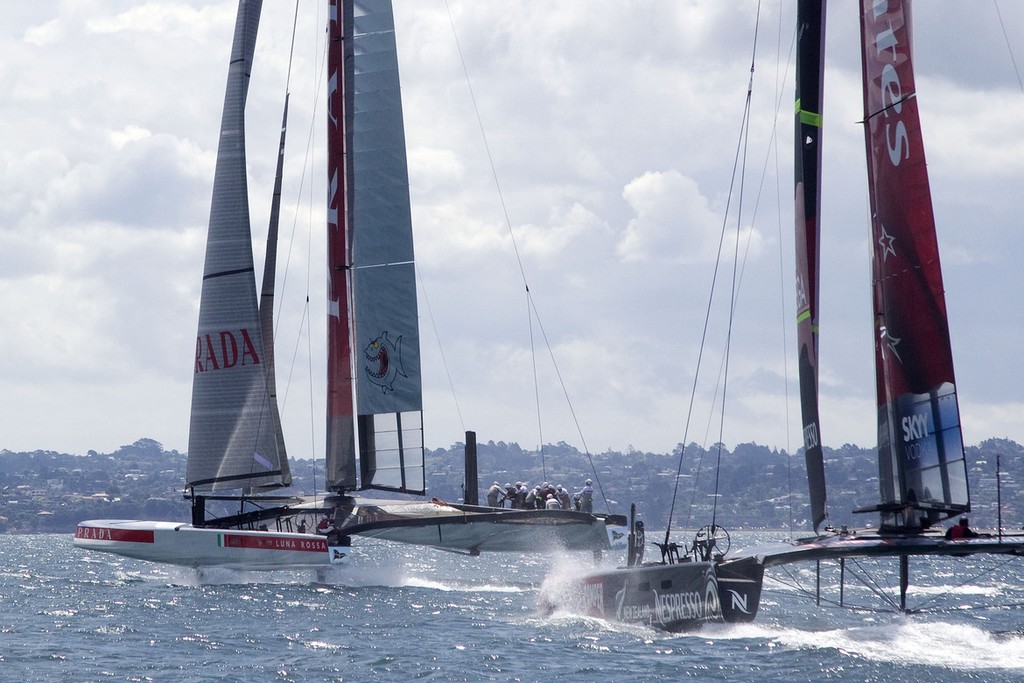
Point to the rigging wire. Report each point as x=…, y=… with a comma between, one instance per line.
x=504, y=211
x=886, y=594
x=532, y=311
x=745, y=138
x=1009, y=47
x=971, y=579
x=270, y=400
x=779, y=99
x=536, y=380
x=744, y=125
x=303, y=329
x=440, y=347
x=572, y=411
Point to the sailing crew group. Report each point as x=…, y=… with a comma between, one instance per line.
x=544, y=497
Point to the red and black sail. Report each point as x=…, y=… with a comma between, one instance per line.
x=922, y=467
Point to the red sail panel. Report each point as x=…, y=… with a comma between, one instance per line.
x=341, y=458
x=810, y=62
x=921, y=458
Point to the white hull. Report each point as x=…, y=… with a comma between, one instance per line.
x=186, y=545
x=477, y=529
x=498, y=536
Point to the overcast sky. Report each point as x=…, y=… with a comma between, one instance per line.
x=612, y=127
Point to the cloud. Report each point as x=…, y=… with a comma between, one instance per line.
x=674, y=222
x=174, y=18
x=44, y=34
x=602, y=134
x=565, y=228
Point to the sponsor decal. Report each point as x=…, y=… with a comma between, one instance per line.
x=673, y=607
x=886, y=52
x=270, y=542
x=915, y=427
x=919, y=445
x=889, y=340
x=801, y=295
x=738, y=600
x=811, y=435
x=226, y=349
x=102, y=533
x=887, y=243
x=382, y=361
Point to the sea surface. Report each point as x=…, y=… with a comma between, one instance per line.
x=402, y=613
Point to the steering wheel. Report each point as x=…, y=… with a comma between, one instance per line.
x=711, y=540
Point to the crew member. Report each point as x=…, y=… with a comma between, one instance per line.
x=586, y=496
x=960, y=531
x=493, y=494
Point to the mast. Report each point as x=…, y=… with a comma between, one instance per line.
x=341, y=448
x=810, y=62
x=922, y=465
x=234, y=435
x=373, y=357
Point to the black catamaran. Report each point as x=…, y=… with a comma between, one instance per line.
x=921, y=459
x=375, y=438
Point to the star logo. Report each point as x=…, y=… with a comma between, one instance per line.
x=886, y=241
x=891, y=342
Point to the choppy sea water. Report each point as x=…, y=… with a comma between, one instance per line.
x=402, y=613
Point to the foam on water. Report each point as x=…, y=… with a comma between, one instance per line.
x=904, y=641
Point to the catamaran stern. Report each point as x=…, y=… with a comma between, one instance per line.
x=186, y=545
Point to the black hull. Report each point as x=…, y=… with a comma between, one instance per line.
x=671, y=597
x=739, y=589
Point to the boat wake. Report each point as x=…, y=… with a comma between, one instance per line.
x=482, y=586
x=564, y=576
x=906, y=641
x=569, y=622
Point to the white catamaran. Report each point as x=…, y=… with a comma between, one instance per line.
x=921, y=458
x=236, y=451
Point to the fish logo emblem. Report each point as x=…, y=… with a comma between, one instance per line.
x=382, y=361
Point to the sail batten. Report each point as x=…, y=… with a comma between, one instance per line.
x=922, y=465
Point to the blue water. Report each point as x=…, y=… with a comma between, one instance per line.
x=400, y=613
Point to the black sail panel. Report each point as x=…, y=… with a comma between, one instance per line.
x=810, y=76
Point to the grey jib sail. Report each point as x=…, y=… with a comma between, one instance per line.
x=234, y=432
x=384, y=347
